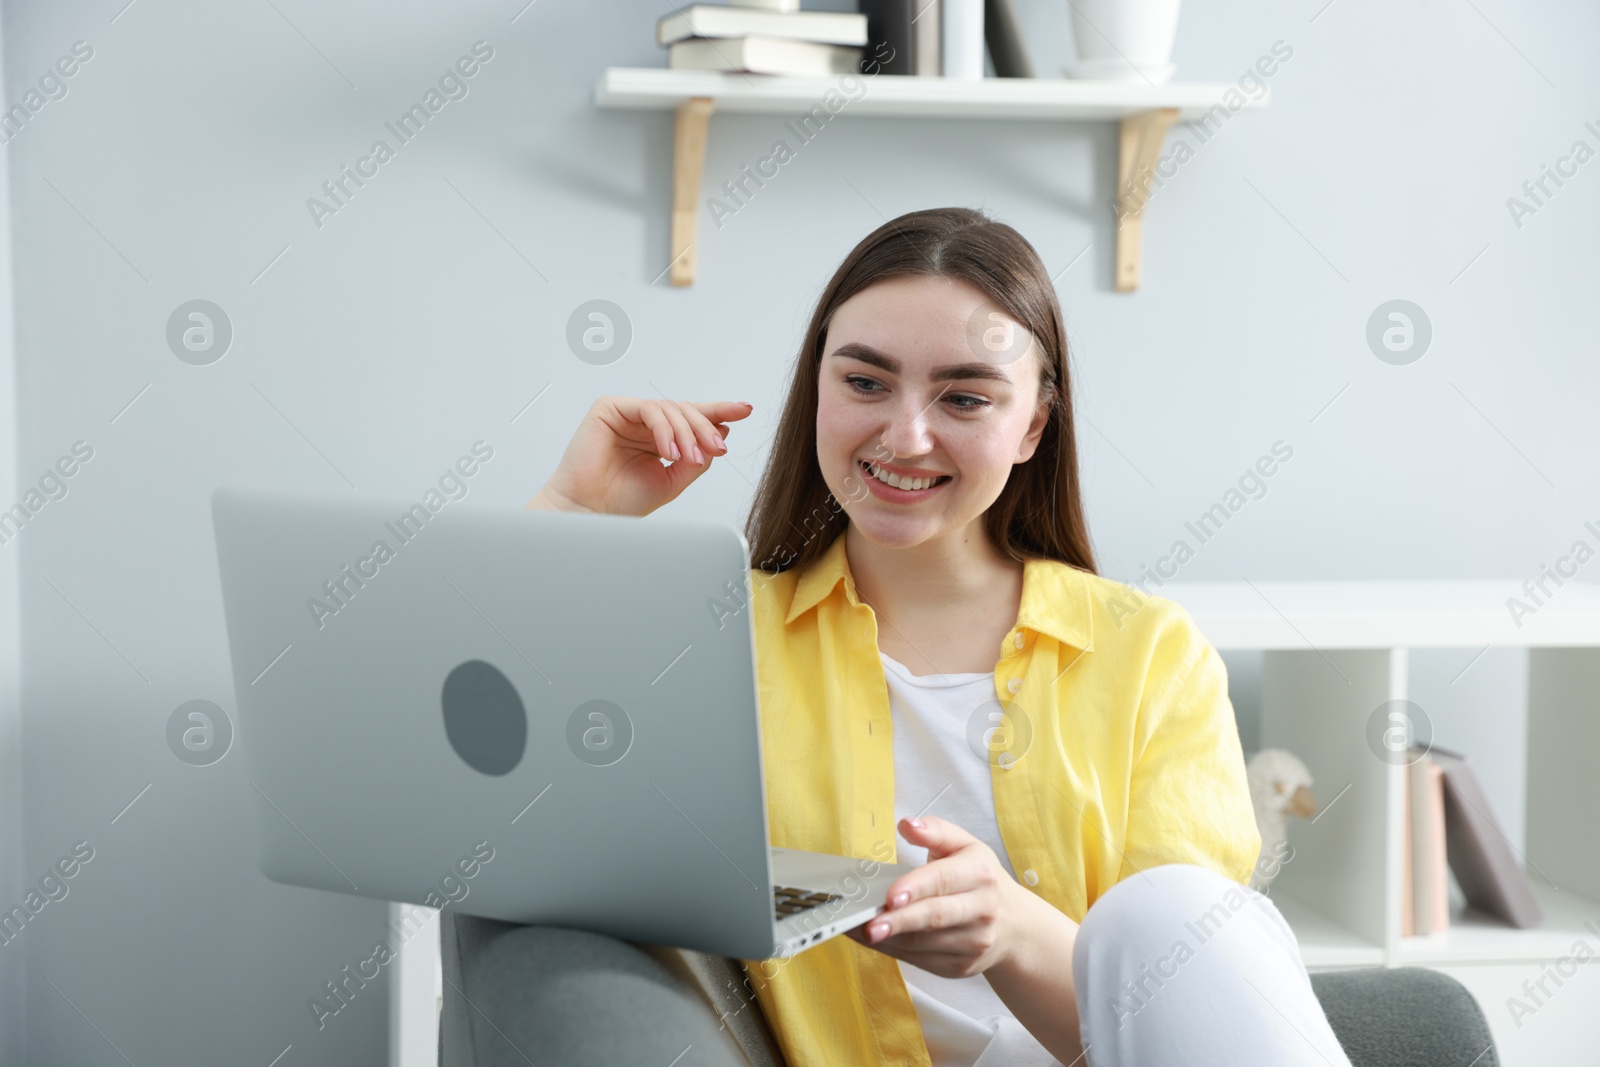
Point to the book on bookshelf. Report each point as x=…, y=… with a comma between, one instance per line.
x=1480, y=854
x=961, y=38
x=1408, y=876
x=892, y=34
x=946, y=38
x=1436, y=859
x=763, y=55
x=721, y=20
x=1429, y=890
x=1002, y=29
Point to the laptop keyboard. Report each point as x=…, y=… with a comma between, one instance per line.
x=787, y=900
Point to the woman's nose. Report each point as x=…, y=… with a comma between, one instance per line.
x=908, y=433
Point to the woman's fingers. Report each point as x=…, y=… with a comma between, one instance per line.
x=706, y=433
x=682, y=429
x=683, y=432
x=959, y=872
x=931, y=914
x=723, y=410
x=952, y=946
x=655, y=420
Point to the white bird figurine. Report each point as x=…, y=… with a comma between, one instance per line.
x=1280, y=786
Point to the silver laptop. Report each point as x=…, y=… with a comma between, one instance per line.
x=531, y=716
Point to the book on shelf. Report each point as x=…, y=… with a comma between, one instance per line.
x=926, y=38
x=1480, y=853
x=1002, y=29
x=1437, y=891
x=961, y=39
x=947, y=38
x=764, y=55
x=1448, y=826
x=1408, y=879
x=1426, y=892
x=892, y=34
x=725, y=21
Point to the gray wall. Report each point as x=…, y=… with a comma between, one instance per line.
x=432, y=308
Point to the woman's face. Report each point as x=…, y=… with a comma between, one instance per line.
x=924, y=378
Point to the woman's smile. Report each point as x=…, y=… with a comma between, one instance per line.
x=901, y=488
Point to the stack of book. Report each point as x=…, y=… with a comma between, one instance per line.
x=929, y=38
x=1449, y=827
x=763, y=37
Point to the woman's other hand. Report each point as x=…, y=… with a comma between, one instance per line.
x=613, y=464
x=959, y=914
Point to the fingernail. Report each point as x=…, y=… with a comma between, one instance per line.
x=900, y=899
x=676, y=454
x=721, y=444
x=878, y=930
x=917, y=823
x=699, y=456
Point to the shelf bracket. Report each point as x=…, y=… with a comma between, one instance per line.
x=1141, y=137
x=688, y=162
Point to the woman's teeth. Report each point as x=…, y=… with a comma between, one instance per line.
x=902, y=483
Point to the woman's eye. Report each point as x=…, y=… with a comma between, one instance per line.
x=961, y=401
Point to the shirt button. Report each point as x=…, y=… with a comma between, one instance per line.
x=1031, y=877
x=1018, y=640
x=1015, y=685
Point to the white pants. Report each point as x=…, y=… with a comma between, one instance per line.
x=1179, y=965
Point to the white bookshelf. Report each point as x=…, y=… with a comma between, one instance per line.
x=1144, y=113
x=899, y=96
x=1332, y=652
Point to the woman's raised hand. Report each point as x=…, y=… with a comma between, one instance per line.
x=613, y=462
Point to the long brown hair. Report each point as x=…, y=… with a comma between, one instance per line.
x=1039, y=513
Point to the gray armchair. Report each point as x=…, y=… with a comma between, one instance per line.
x=544, y=995
x=1405, y=1017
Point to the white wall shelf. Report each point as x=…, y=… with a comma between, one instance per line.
x=907, y=97
x=1438, y=614
x=1332, y=653
x=1144, y=112
x=1477, y=938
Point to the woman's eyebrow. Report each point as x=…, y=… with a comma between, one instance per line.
x=949, y=373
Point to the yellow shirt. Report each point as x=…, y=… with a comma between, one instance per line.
x=1133, y=761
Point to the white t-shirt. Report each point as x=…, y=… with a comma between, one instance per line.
x=964, y=1022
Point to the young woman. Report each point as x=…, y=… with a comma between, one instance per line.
x=945, y=679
